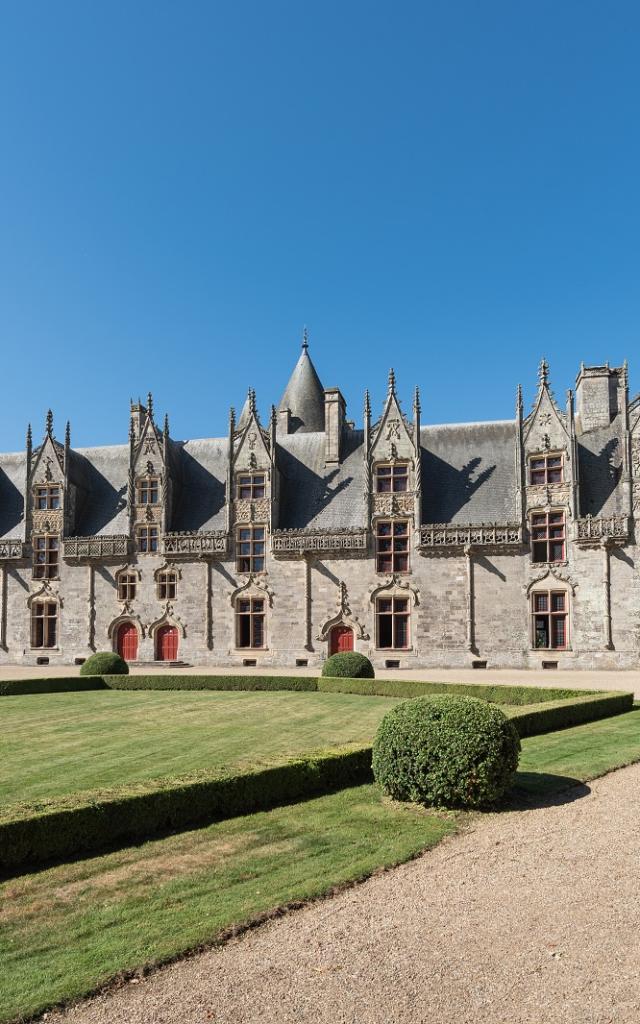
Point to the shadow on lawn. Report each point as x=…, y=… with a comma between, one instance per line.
x=542, y=789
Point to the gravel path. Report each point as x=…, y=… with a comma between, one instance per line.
x=532, y=916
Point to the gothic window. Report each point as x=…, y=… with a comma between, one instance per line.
x=148, y=490
x=251, y=486
x=392, y=623
x=44, y=624
x=545, y=469
x=548, y=537
x=393, y=477
x=250, y=548
x=46, y=550
x=250, y=622
x=47, y=496
x=127, y=582
x=147, y=537
x=392, y=545
x=549, y=619
x=167, y=584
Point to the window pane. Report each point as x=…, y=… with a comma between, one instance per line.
x=244, y=630
x=540, y=602
x=401, y=563
x=244, y=607
x=400, y=604
x=258, y=631
x=557, y=551
x=384, y=605
x=400, y=529
x=384, y=529
x=541, y=631
x=402, y=630
x=539, y=552
x=557, y=602
x=559, y=630
x=385, y=634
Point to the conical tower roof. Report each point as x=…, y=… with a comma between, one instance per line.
x=304, y=395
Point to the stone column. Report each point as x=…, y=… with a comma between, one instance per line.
x=208, y=609
x=470, y=630
x=606, y=586
x=308, y=602
x=91, y=637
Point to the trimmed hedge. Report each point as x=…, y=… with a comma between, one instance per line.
x=61, y=684
x=71, y=826
x=495, y=694
x=348, y=665
x=563, y=714
x=104, y=663
x=446, y=752
x=161, y=682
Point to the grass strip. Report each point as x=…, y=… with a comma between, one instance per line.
x=69, y=929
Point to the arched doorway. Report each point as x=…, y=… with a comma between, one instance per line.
x=340, y=639
x=128, y=641
x=167, y=644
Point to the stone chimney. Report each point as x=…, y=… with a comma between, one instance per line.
x=597, y=394
x=335, y=408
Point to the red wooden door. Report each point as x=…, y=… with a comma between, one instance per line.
x=128, y=641
x=341, y=639
x=167, y=643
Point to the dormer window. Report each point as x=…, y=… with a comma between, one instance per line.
x=251, y=486
x=548, y=537
x=47, y=496
x=148, y=490
x=393, y=477
x=546, y=469
x=46, y=550
x=147, y=537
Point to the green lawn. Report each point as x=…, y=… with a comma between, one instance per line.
x=66, y=930
x=62, y=743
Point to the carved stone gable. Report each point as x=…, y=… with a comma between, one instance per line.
x=392, y=438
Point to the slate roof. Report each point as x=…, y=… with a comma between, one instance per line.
x=101, y=476
x=13, y=473
x=600, y=456
x=313, y=495
x=304, y=396
x=199, y=492
x=468, y=472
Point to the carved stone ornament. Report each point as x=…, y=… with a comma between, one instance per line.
x=344, y=616
x=45, y=593
x=150, y=468
x=168, y=618
x=149, y=446
x=168, y=567
x=251, y=440
x=126, y=615
x=551, y=575
x=253, y=584
x=395, y=585
x=393, y=430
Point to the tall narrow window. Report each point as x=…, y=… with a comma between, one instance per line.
x=251, y=486
x=549, y=611
x=392, y=545
x=44, y=624
x=147, y=538
x=127, y=582
x=548, y=537
x=47, y=496
x=545, y=469
x=394, y=477
x=148, y=488
x=46, y=550
x=250, y=547
x=392, y=622
x=167, y=584
x=250, y=622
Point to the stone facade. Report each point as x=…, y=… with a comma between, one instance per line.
x=287, y=524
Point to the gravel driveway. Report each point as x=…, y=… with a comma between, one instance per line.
x=533, y=916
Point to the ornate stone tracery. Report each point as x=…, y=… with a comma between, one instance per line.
x=344, y=616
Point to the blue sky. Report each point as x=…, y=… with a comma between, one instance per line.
x=448, y=188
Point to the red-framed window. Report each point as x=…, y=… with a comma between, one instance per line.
x=47, y=496
x=392, y=477
x=548, y=537
x=44, y=624
x=127, y=583
x=250, y=548
x=251, y=486
x=46, y=552
x=392, y=545
x=148, y=490
x=250, y=616
x=546, y=469
x=148, y=538
x=550, y=625
x=392, y=623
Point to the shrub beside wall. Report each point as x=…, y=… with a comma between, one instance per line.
x=104, y=663
x=348, y=665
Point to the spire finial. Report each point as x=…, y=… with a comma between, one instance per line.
x=29, y=436
x=67, y=434
x=132, y=431
x=519, y=399
x=392, y=382
x=166, y=424
x=49, y=423
x=150, y=405
x=367, y=405
x=543, y=372
x=305, y=339
x=252, y=400
x=416, y=400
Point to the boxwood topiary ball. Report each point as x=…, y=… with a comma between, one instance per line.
x=348, y=665
x=446, y=752
x=104, y=663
